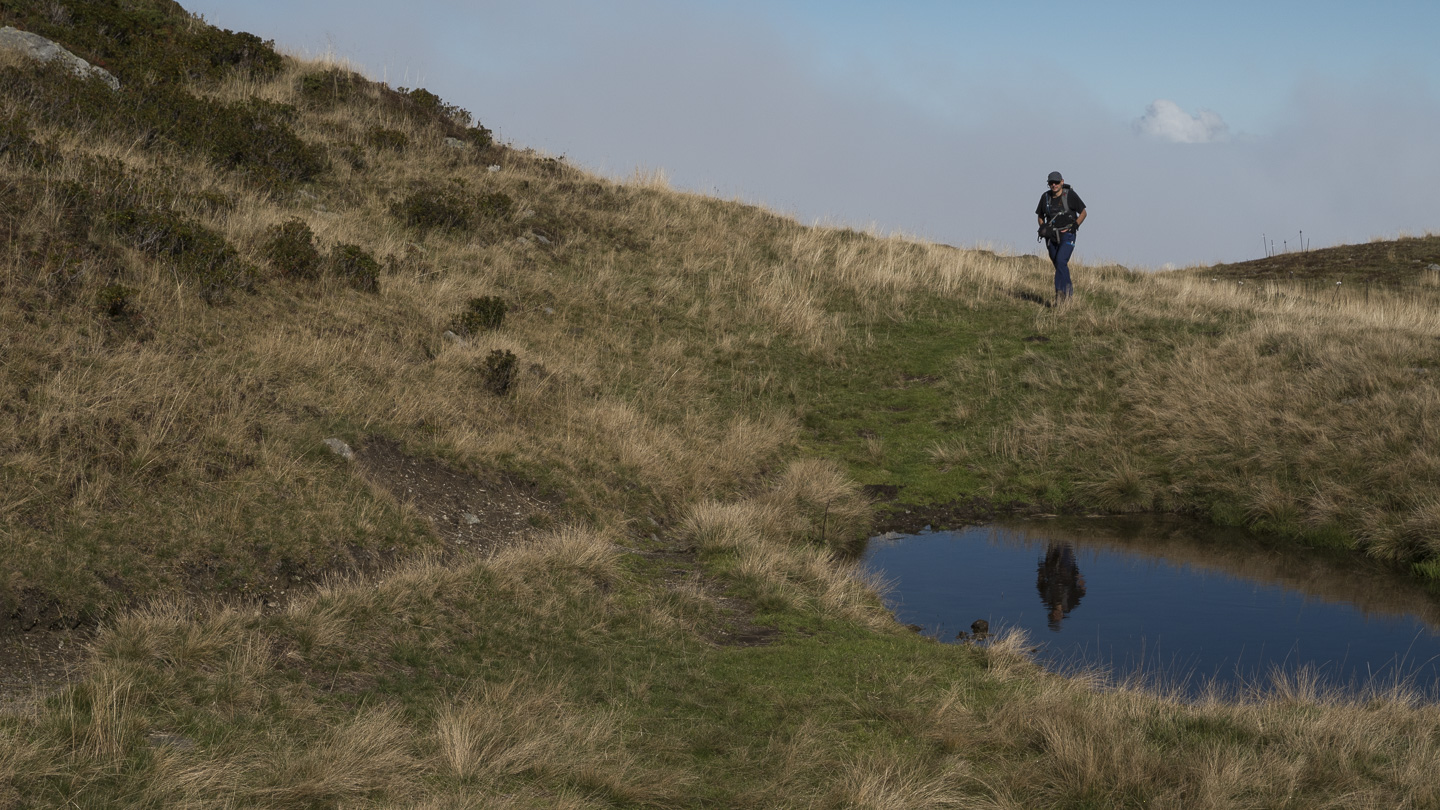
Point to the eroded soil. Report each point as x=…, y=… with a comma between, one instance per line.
x=468, y=512
x=892, y=515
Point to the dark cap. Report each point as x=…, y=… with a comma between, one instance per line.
x=1055, y=178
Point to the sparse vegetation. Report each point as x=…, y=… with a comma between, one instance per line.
x=706, y=388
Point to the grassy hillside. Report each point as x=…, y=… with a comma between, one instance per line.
x=607, y=445
x=1409, y=261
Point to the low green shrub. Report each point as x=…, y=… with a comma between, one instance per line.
x=17, y=144
x=495, y=206
x=144, y=42
x=325, y=88
x=438, y=208
x=480, y=315
x=383, y=139
x=356, y=267
x=431, y=105
x=197, y=253
x=290, y=250
x=116, y=302
x=479, y=137
x=254, y=138
x=499, y=371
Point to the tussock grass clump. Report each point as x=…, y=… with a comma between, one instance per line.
x=781, y=545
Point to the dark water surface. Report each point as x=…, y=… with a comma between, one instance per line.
x=1172, y=602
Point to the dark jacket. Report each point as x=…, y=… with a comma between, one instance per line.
x=1051, y=206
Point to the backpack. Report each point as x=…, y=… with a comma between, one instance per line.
x=1065, y=218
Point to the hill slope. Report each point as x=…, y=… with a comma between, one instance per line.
x=608, y=443
x=1404, y=262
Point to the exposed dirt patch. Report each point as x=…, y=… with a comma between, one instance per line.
x=911, y=519
x=467, y=512
x=36, y=611
x=912, y=380
x=1034, y=298
x=881, y=492
x=37, y=663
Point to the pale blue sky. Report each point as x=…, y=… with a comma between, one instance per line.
x=1190, y=129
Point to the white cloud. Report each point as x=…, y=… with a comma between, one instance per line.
x=1165, y=120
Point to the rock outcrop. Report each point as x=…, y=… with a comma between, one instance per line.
x=41, y=49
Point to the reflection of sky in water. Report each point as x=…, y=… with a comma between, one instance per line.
x=1138, y=612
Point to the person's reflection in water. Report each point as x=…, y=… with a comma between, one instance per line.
x=1060, y=582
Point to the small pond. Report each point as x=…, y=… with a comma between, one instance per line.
x=1170, y=602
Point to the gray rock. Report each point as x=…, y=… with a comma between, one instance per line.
x=492, y=169
x=456, y=143
x=41, y=49
x=1434, y=268
x=340, y=449
x=470, y=519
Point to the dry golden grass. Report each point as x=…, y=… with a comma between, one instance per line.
x=167, y=459
x=1299, y=408
x=779, y=543
x=1294, y=748
x=516, y=728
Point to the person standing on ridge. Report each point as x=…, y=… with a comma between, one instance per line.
x=1060, y=213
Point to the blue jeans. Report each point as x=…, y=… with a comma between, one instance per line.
x=1060, y=257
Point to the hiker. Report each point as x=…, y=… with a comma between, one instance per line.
x=1060, y=213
